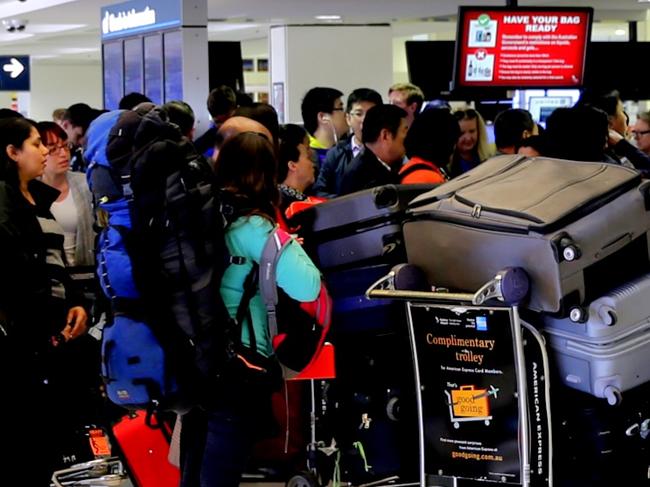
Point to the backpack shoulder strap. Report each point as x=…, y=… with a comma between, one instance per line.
x=417, y=166
x=243, y=310
x=275, y=244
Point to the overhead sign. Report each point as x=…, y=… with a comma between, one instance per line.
x=14, y=73
x=531, y=47
x=138, y=16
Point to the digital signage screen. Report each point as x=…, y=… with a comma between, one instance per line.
x=153, y=67
x=133, y=64
x=419, y=54
x=173, y=56
x=113, y=74
x=528, y=47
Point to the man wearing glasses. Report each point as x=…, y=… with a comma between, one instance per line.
x=324, y=118
x=338, y=158
x=641, y=132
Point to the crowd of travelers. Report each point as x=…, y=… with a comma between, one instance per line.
x=49, y=311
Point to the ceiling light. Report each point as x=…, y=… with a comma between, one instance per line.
x=14, y=25
x=76, y=50
x=620, y=32
x=14, y=36
x=328, y=17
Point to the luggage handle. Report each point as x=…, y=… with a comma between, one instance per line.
x=466, y=388
x=510, y=286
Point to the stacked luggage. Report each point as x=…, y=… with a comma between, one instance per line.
x=355, y=240
x=608, y=352
x=580, y=230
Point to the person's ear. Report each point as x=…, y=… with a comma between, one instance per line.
x=526, y=134
x=13, y=152
x=293, y=166
x=324, y=117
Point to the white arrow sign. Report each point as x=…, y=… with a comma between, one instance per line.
x=15, y=68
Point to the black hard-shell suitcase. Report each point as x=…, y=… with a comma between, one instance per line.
x=358, y=229
x=374, y=417
x=597, y=445
x=352, y=312
x=578, y=228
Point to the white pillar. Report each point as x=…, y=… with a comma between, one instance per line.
x=196, y=82
x=344, y=57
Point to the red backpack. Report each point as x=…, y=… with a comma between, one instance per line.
x=297, y=329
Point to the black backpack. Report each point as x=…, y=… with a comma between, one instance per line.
x=161, y=257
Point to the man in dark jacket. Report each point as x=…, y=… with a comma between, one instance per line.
x=75, y=122
x=338, y=158
x=618, y=148
x=222, y=102
x=383, y=133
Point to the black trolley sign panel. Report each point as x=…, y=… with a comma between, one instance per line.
x=470, y=412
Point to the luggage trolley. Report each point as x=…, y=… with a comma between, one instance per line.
x=477, y=414
x=102, y=472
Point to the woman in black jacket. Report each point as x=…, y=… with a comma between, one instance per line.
x=39, y=313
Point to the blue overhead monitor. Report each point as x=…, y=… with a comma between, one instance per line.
x=113, y=74
x=139, y=16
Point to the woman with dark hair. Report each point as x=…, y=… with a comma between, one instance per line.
x=429, y=143
x=73, y=207
x=216, y=439
x=38, y=312
x=577, y=133
x=619, y=150
x=296, y=171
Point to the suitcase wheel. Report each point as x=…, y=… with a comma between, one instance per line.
x=302, y=479
x=613, y=395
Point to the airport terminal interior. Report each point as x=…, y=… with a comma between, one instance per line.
x=324, y=243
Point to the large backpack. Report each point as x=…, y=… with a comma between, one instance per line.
x=161, y=257
x=159, y=262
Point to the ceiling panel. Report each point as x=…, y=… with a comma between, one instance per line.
x=77, y=21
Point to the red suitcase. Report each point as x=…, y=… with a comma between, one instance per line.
x=145, y=451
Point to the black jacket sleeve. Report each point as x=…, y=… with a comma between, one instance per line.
x=639, y=160
x=324, y=185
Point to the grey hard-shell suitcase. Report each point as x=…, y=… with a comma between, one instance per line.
x=359, y=229
x=608, y=352
x=578, y=228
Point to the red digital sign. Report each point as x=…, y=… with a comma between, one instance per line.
x=521, y=47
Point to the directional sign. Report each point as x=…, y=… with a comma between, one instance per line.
x=14, y=73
